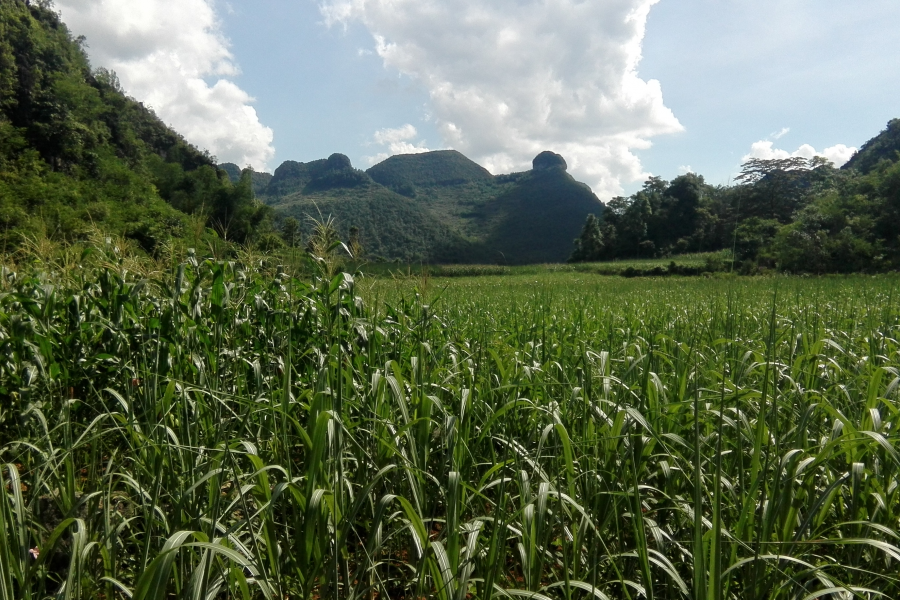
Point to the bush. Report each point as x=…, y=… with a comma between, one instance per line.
x=269, y=242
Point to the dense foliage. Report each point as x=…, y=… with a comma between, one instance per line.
x=260, y=181
x=77, y=154
x=589, y=244
x=225, y=430
x=885, y=146
x=793, y=214
x=536, y=219
x=389, y=226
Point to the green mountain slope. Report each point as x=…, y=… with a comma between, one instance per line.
x=455, y=189
x=335, y=171
x=428, y=169
x=884, y=146
x=390, y=226
x=440, y=206
x=518, y=218
x=463, y=206
x=538, y=219
x=76, y=154
x=260, y=181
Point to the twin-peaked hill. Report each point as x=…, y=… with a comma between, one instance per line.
x=438, y=206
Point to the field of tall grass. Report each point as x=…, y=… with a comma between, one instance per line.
x=229, y=430
x=682, y=264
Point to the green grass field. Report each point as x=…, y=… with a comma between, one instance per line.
x=224, y=430
x=685, y=264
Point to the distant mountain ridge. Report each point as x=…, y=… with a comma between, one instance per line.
x=441, y=167
x=437, y=206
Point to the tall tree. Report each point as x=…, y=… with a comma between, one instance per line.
x=290, y=231
x=780, y=186
x=589, y=245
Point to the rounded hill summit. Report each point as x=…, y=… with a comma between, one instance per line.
x=548, y=160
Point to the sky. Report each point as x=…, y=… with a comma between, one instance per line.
x=623, y=89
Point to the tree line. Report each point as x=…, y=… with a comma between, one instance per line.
x=792, y=214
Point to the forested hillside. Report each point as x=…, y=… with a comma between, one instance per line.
x=435, y=207
x=406, y=173
x=883, y=147
x=78, y=155
x=792, y=214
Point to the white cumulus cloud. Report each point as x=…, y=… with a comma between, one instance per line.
x=510, y=78
x=164, y=53
x=764, y=149
x=397, y=141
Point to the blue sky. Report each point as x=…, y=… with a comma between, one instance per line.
x=621, y=88
x=321, y=89
x=738, y=72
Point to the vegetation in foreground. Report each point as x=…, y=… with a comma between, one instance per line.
x=224, y=429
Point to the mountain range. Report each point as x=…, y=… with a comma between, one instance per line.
x=436, y=206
